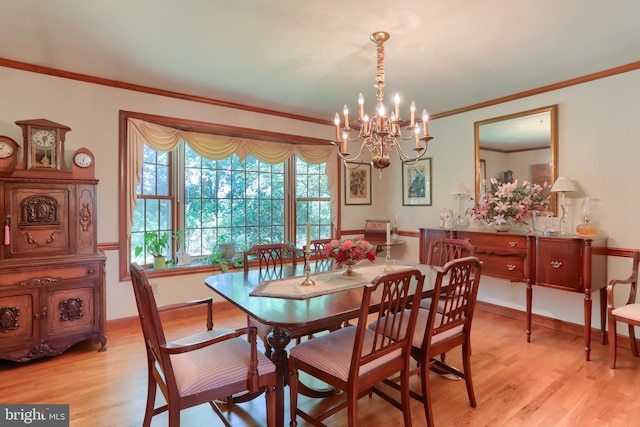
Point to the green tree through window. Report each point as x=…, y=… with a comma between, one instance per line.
x=229, y=201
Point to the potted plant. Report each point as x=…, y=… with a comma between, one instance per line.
x=227, y=249
x=218, y=258
x=155, y=244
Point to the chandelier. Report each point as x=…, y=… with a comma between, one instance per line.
x=382, y=132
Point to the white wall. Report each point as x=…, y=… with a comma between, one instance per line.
x=598, y=148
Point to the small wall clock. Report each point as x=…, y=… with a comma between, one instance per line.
x=83, y=164
x=8, y=155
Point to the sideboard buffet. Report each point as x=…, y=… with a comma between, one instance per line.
x=571, y=263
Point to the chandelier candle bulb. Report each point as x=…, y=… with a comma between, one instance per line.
x=345, y=110
x=361, y=105
x=336, y=120
x=413, y=114
x=344, y=142
x=396, y=99
x=425, y=119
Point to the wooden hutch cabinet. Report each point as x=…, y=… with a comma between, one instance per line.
x=569, y=263
x=51, y=273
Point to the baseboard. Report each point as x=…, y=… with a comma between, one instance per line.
x=199, y=310
x=536, y=320
x=547, y=322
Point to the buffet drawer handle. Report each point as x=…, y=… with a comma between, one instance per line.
x=513, y=244
x=511, y=267
x=556, y=264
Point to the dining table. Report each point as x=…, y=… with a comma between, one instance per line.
x=296, y=310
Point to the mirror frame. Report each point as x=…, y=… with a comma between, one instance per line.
x=553, y=138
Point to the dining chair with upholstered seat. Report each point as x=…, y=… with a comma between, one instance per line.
x=201, y=368
x=356, y=358
x=628, y=313
x=439, y=332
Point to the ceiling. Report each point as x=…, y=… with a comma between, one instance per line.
x=310, y=58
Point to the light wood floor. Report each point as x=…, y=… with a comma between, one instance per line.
x=546, y=382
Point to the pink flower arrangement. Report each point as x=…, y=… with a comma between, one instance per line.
x=350, y=250
x=512, y=202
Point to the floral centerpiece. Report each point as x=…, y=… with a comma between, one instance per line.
x=350, y=252
x=511, y=203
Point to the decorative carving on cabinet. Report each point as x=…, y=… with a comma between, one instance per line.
x=33, y=241
x=39, y=281
x=40, y=210
x=9, y=318
x=86, y=217
x=41, y=350
x=71, y=309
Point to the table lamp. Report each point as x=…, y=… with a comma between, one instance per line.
x=459, y=189
x=564, y=185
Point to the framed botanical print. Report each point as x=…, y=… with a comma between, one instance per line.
x=416, y=183
x=357, y=184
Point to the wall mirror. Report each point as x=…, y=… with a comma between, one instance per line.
x=522, y=146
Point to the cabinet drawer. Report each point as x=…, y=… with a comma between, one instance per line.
x=505, y=266
x=52, y=275
x=495, y=242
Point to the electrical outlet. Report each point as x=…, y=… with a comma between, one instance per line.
x=154, y=287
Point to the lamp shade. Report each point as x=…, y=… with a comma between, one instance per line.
x=459, y=188
x=563, y=184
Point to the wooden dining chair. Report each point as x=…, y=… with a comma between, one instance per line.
x=443, y=250
x=201, y=368
x=628, y=313
x=439, y=332
x=316, y=248
x=271, y=258
x=356, y=358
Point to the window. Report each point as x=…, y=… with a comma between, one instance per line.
x=168, y=169
x=242, y=202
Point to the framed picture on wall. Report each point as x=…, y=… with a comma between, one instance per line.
x=416, y=183
x=357, y=184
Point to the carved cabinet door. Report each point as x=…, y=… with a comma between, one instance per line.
x=39, y=219
x=71, y=310
x=17, y=310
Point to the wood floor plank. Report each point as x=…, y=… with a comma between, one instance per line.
x=545, y=382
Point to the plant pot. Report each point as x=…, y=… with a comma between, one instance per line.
x=159, y=262
x=506, y=226
x=228, y=250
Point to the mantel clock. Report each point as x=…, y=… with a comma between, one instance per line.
x=43, y=144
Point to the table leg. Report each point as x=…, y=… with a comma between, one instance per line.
x=587, y=323
x=278, y=339
x=604, y=338
x=529, y=298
